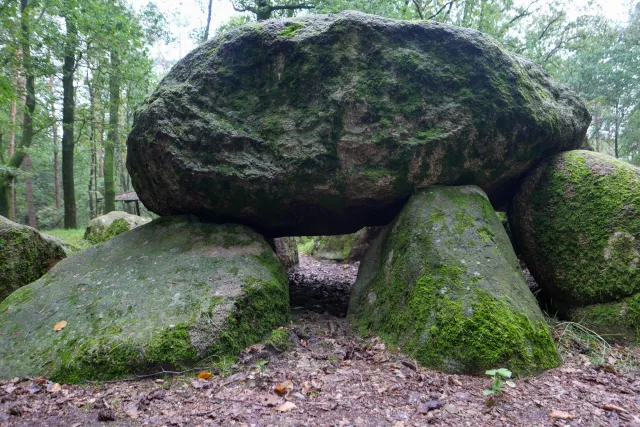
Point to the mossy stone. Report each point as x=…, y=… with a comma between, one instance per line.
x=451, y=295
x=165, y=295
x=324, y=124
x=576, y=223
x=26, y=255
x=109, y=225
x=617, y=322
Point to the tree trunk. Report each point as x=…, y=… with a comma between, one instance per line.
x=68, y=119
x=205, y=37
x=31, y=212
x=12, y=149
x=15, y=161
x=617, y=128
x=54, y=129
x=112, y=135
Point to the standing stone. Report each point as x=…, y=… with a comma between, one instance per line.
x=576, y=222
x=25, y=255
x=443, y=283
x=166, y=295
x=323, y=124
x=286, y=249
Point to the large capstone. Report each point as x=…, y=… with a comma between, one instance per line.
x=324, y=124
x=166, y=295
x=576, y=223
x=443, y=283
x=26, y=255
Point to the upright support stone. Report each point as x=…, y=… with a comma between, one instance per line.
x=443, y=283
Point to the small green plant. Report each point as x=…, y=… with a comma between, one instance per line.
x=497, y=375
x=261, y=366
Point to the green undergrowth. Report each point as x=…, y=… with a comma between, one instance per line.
x=75, y=236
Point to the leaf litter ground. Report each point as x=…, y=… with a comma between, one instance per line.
x=331, y=376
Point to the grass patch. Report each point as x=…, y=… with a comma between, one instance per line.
x=306, y=245
x=75, y=236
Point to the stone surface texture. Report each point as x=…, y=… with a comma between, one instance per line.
x=323, y=124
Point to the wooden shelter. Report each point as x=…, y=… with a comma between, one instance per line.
x=130, y=197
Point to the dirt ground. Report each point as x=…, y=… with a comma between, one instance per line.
x=330, y=376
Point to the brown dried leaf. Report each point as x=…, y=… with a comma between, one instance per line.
x=284, y=388
x=286, y=407
x=204, y=375
x=60, y=325
x=561, y=414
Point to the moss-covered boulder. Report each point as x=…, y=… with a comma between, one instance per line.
x=576, y=223
x=323, y=124
x=443, y=283
x=617, y=322
x=26, y=255
x=166, y=295
x=109, y=225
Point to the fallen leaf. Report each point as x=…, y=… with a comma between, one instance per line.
x=284, y=387
x=54, y=388
x=204, y=375
x=132, y=413
x=60, y=325
x=610, y=407
x=286, y=407
x=269, y=400
x=452, y=409
x=510, y=384
x=561, y=414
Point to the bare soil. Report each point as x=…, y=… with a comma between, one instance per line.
x=332, y=376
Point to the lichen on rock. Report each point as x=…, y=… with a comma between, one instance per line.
x=443, y=283
x=165, y=295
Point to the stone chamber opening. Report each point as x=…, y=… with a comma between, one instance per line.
x=323, y=269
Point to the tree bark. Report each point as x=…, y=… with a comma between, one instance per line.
x=617, y=128
x=12, y=149
x=205, y=37
x=54, y=129
x=15, y=161
x=31, y=212
x=112, y=135
x=68, y=121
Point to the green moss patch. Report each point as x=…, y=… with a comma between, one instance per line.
x=576, y=221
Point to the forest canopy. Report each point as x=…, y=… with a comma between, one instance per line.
x=74, y=71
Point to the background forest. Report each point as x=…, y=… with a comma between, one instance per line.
x=73, y=72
